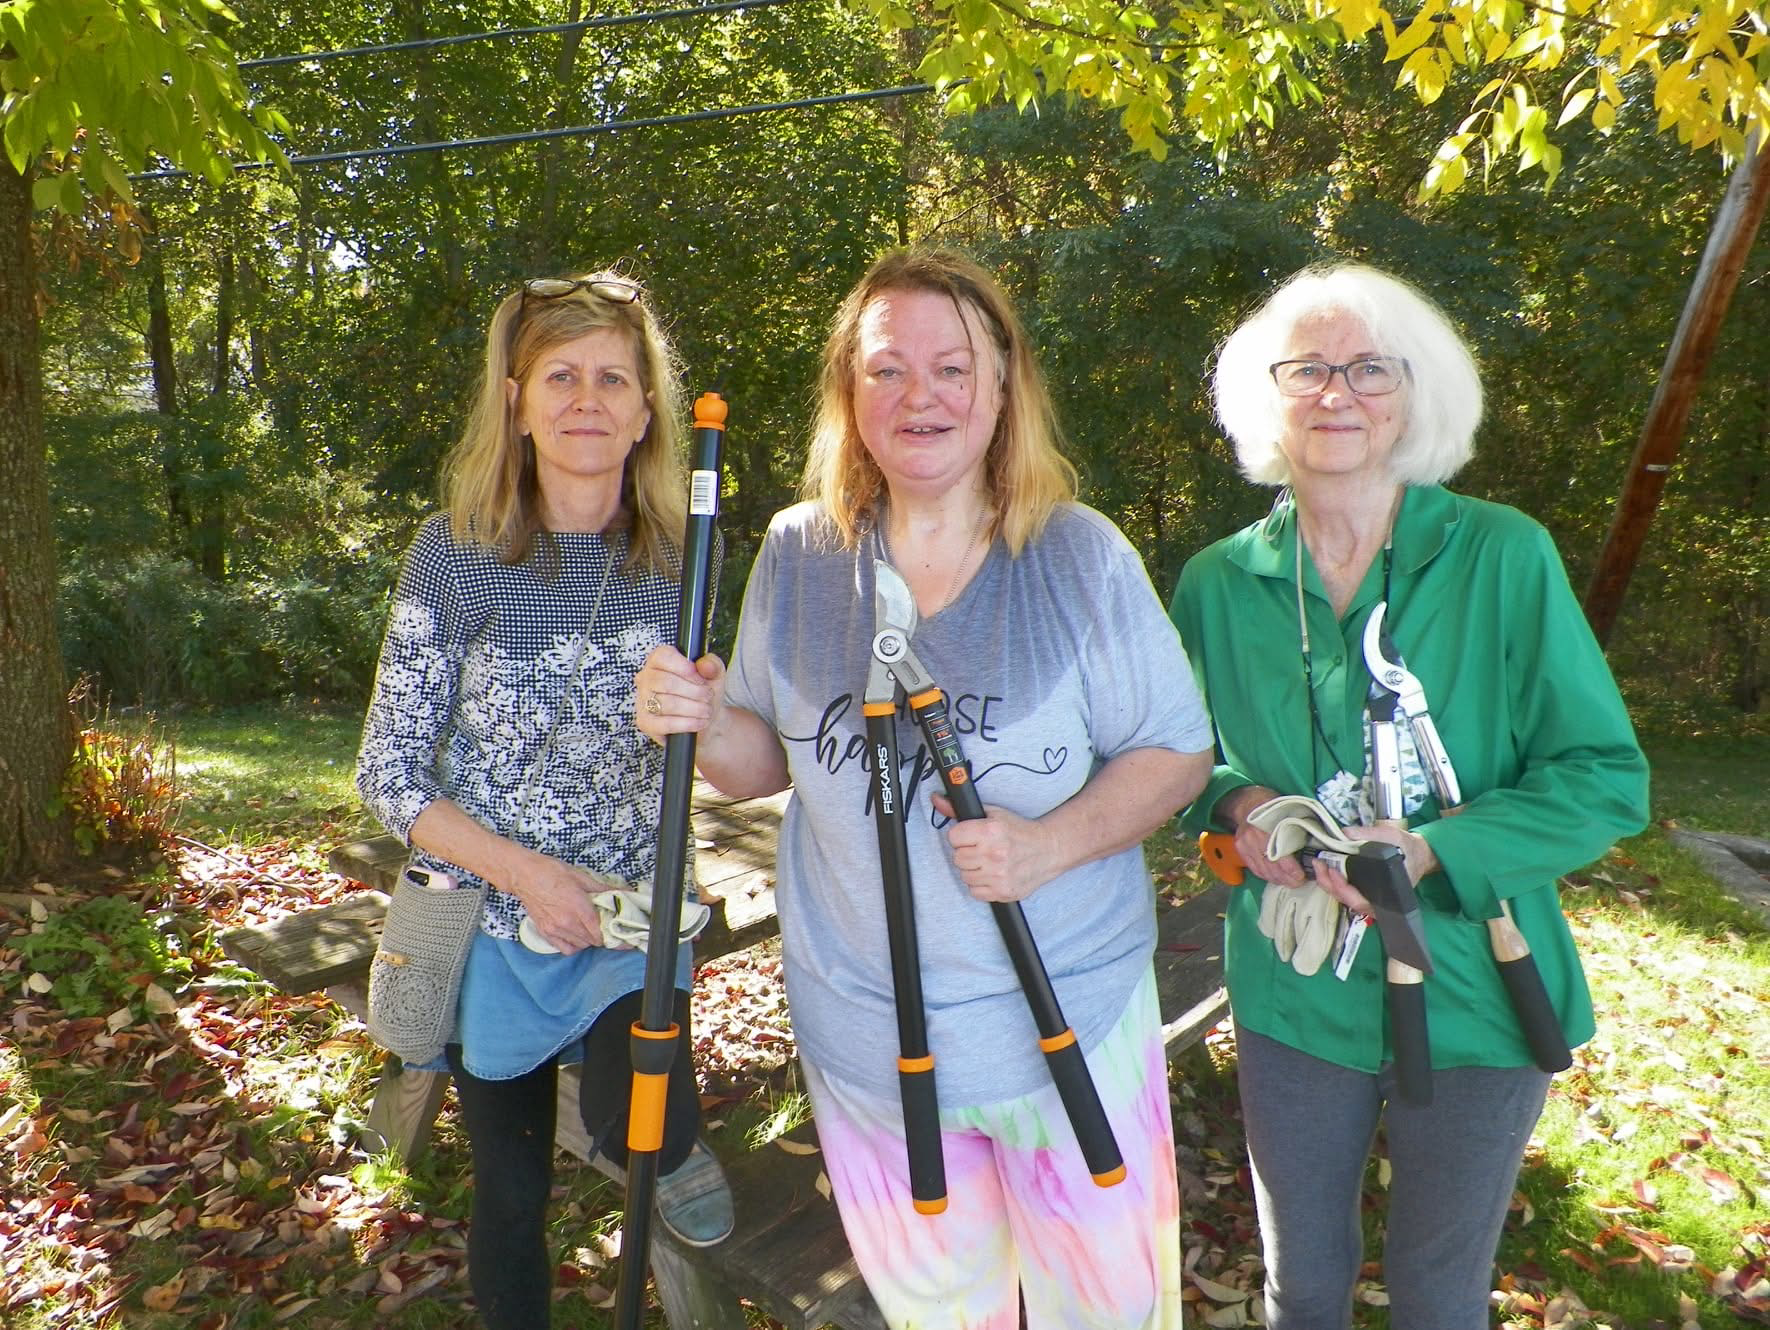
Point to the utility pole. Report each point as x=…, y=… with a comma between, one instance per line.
x=1687, y=360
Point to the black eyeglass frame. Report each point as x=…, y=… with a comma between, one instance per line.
x=615, y=290
x=1344, y=371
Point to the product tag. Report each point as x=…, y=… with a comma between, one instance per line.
x=1349, y=945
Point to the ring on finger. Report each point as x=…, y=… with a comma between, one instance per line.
x=652, y=706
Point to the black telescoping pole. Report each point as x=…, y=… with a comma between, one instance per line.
x=656, y=1041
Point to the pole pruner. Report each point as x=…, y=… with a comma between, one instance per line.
x=656, y=1041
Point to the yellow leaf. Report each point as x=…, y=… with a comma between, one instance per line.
x=1415, y=35
x=1575, y=104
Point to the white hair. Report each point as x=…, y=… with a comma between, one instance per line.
x=1442, y=403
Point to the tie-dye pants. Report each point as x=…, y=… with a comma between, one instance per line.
x=1022, y=1212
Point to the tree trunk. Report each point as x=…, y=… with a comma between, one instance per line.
x=35, y=738
x=1730, y=241
x=211, y=518
x=163, y=369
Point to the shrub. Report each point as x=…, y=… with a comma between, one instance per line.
x=120, y=790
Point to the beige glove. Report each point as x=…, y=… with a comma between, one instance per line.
x=1295, y=822
x=625, y=916
x=1303, y=922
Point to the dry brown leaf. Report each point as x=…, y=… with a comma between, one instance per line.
x=164, y=1297
x=1218, y=1292
x=795, y=1147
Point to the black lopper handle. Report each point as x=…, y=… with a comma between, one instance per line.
x=1407, y=1029
x=1537, y=1018
x=1530, y=999
x=915, y=1063
x=1063, y=1055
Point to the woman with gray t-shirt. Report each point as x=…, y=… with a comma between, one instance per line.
x=936, y=452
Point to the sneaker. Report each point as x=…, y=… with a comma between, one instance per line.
x=694, y=1202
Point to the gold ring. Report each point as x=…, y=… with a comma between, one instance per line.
x=651, y=704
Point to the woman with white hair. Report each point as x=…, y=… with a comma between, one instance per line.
x=1353, y=392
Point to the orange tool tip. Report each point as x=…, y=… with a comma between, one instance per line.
x=934, y=1207
x=1218, y=851
x=710, y=411
x=1111, y=1179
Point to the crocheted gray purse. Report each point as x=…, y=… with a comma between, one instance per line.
x=415, y=977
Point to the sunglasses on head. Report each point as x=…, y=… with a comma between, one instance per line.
x=611, y=289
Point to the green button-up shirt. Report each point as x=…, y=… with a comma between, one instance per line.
x=1550, y=770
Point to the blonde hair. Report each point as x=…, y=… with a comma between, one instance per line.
x=489, y=481
x=1441, y=399
x=1025, y=472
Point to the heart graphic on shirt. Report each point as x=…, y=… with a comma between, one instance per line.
x=1054, y=758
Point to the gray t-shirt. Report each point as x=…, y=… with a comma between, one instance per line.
x=1053, y=663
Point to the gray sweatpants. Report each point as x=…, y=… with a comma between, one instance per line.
x=1310, y=1126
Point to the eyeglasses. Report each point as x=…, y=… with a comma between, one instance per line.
x=610, y=289
x=1373, y=376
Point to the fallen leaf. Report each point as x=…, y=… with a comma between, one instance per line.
x=164, y=1297
x=1219, y=1292
x=795, y=1147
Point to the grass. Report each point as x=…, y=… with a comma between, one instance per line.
x=268, y=772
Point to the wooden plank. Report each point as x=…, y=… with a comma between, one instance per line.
x=788, y=1254
x=314, y=948
x=407, y=1101
x=375, y=862
x=1189, y=966
x=690, y=1294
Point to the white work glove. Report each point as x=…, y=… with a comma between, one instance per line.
x=1303, y=922
x=1295, y=822
x=625, y=916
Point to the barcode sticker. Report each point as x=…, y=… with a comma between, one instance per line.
x=703, y=494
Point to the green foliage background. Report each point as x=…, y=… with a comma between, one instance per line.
x=324, y=331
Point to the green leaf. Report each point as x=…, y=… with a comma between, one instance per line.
x=46, y=193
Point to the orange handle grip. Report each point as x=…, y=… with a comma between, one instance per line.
x=1218, y=851
x=710, y=411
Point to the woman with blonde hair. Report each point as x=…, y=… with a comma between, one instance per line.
x=499, y=744
x=935, y=451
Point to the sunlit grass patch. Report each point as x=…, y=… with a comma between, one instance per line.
x=260, y=772
x=1652, y=1160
